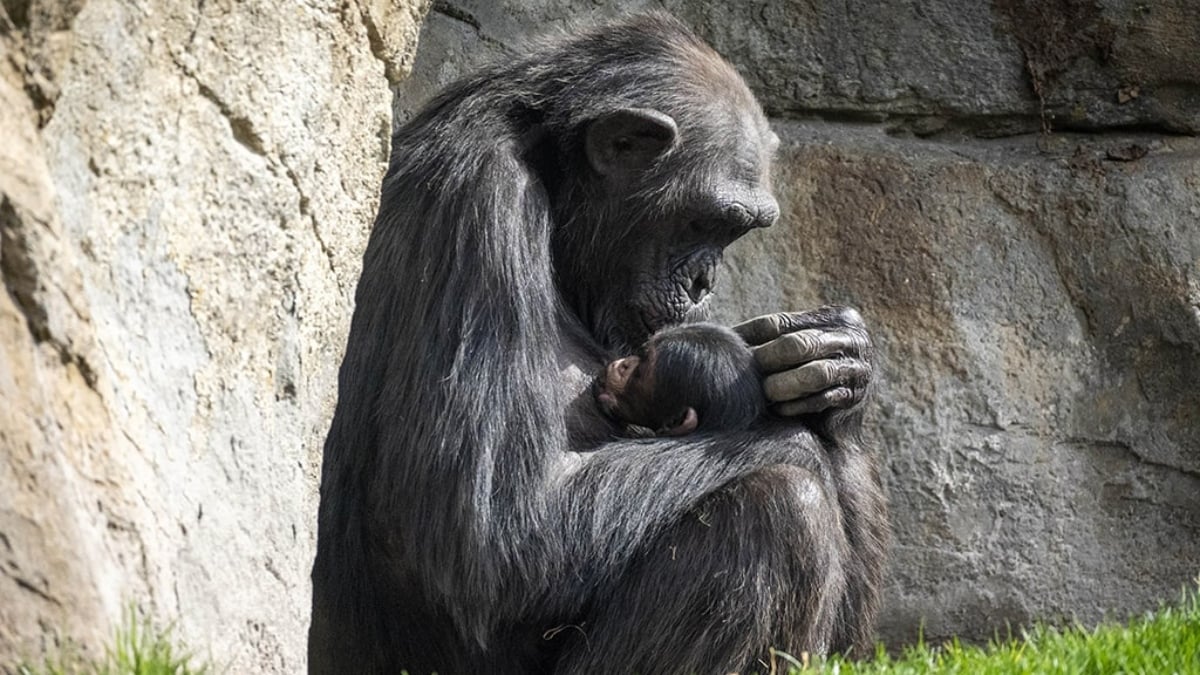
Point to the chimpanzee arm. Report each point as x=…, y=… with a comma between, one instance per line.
x=655, y=532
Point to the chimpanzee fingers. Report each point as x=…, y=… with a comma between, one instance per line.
x=816, y=377
x=838, y=397
x=760, y=329
x=767, y=327
x=794, y=349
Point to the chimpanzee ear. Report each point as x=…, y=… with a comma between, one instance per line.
x=683, y=425
x=629, y=140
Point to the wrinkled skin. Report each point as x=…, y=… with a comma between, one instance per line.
x=816, y=362
x=720, y=189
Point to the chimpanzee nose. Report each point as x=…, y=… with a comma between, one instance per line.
x=760, y=210
x=768, y=212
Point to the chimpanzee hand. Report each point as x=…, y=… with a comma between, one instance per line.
x=816, y=363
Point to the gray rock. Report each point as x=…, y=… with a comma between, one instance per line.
x=185, y=193
x=1037, y=308
x=997, y=68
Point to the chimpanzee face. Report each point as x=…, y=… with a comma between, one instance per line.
x=653, y=212
x=625, y=390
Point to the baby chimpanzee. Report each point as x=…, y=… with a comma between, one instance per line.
x=694, y=377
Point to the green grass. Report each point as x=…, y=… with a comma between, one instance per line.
x=1163, y=642
x=1159, y=643
x=140, y=648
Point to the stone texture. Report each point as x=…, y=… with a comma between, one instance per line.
x=186, y=188
x=1036, y=298
x=927, y=65
x=1037, y=308
x=185, y=193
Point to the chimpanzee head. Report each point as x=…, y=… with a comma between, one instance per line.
x=685, y=378
x=655, y=156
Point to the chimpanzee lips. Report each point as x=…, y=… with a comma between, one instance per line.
x=694, y=276
x=604, y=398
x=699, y=288
x=679, y=296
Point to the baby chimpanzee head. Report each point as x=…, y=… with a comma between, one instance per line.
x=698, y=376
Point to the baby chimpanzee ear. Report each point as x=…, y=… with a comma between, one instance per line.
x=684, y=424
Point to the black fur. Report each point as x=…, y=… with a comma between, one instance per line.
x=705, y=367
x=459, y=529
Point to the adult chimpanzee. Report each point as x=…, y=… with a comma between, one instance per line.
x=691, y=377
x=536, y=219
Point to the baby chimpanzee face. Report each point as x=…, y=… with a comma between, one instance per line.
x=691, y=377
x=625, y=389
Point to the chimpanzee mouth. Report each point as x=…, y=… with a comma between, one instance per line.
x=695, y=277
x=684, y=294
x=680, y=296
x=604, y=398
x=699, y=288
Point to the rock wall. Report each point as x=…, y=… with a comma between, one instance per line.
x=185, y=192
x=1038, y=309
x=1010, y=191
